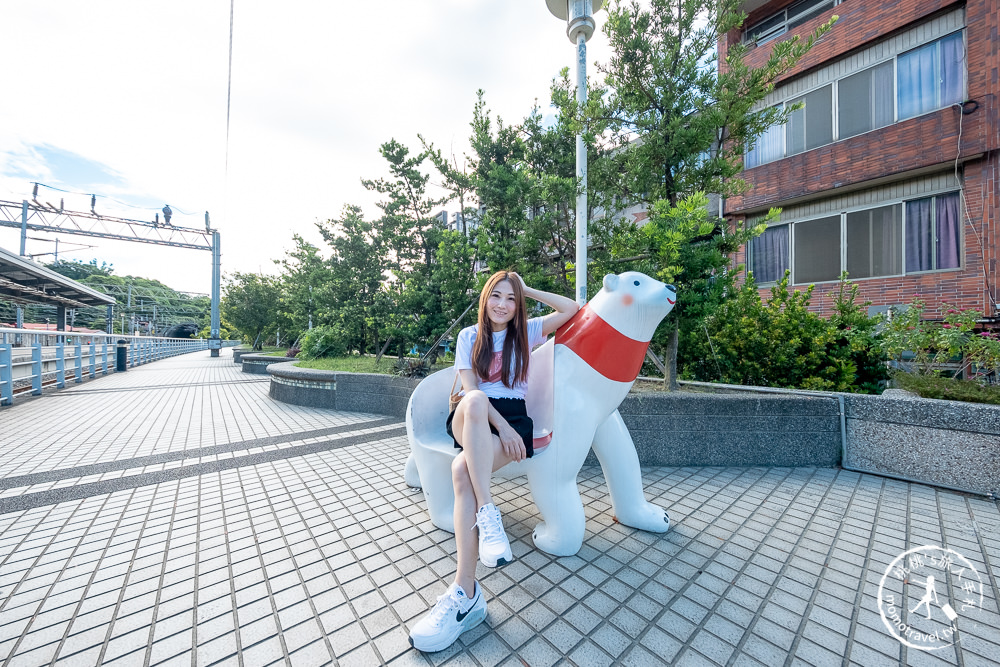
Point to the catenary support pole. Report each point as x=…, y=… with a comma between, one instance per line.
x=19, y=309
x=24, y=225
x=215, y=343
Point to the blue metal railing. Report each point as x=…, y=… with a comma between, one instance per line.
x=31, y=359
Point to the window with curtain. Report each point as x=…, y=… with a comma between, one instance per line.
x=921, y=80
x=875, y=242
x=931, y=76
x=817, y=250
x=811, y=125
x=769, y=147
x=769, y=255
x=933, y=233
x=865, y=101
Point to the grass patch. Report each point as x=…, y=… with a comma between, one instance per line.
x=358, y=364
x=950, y=389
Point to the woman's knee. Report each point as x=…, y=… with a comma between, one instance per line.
x=460, y=476
x=475, y=404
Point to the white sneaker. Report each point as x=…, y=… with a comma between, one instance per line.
x=494, y=547
x=453, y=614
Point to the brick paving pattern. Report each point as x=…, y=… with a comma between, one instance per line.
x=175, y=515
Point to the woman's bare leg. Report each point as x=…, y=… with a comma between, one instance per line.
x=466, y=539
x=471, y=427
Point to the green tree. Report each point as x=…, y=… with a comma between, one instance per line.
x=250, y=303
x=407, y=210
x=77, y=270
x=501, y=186
x=305, y=273
x=523, y=176
x=412, y=236
x=353, y=299
x=677, y=123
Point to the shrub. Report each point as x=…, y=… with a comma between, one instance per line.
x=923, y=347
x=859, y=333
x=932, y=386
x=775, y=344
x=413, y=368
x=325, y=341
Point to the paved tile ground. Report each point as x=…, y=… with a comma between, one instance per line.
x=174, y=514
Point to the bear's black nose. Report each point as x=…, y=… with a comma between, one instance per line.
x=671, y=288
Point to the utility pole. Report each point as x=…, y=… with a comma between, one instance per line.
x=19, y=310
x=215, y=343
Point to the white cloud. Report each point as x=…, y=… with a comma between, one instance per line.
x=316, y=87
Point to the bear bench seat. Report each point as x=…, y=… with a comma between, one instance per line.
x=432, y=449
x=576, y=381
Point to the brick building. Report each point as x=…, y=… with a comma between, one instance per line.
x=889, y=170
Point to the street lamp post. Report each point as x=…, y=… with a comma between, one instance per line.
x=579, y=17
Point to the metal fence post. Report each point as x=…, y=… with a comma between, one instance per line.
x=78, y=353
x=36, y=368
x=93, y=359
x=6, y=375
x=61, y=363
x=104, y=357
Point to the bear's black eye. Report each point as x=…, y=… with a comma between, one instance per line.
x=636, y=283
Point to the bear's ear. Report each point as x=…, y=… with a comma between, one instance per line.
x=611, y=282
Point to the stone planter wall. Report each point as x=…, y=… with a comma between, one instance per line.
x=257, y=364
x=352, y=392
x=238, y=354
x=668, y=429
x=944, y=443
x=682, y=428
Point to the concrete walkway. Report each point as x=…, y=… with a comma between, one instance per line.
x=174, y=514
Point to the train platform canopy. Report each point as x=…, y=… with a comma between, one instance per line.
x=24, y=281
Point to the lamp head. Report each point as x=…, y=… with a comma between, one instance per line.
x=561, y=8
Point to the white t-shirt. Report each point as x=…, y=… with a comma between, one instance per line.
x=493, y=386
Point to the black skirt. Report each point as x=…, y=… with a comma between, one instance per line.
x=515, y=412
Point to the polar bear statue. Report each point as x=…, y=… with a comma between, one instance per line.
x=576, y=382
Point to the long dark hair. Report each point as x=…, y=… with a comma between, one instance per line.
x=516, y=342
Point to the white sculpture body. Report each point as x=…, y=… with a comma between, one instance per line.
x=576, y=383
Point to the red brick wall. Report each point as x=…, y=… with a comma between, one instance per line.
x=895, y=150
x=966, y=288
x=931, y=139
x=860, y=22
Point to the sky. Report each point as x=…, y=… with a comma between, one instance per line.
x=127, y=100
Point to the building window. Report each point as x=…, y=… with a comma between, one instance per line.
x=811, y=125
x=769, y=147
x=916, y=82
x=933, y=230
x=864, y=101
x=791, y=17
x=817, y=250
x=769, y=255
x=931, y=77
x=890, y=240
x=875, y=242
